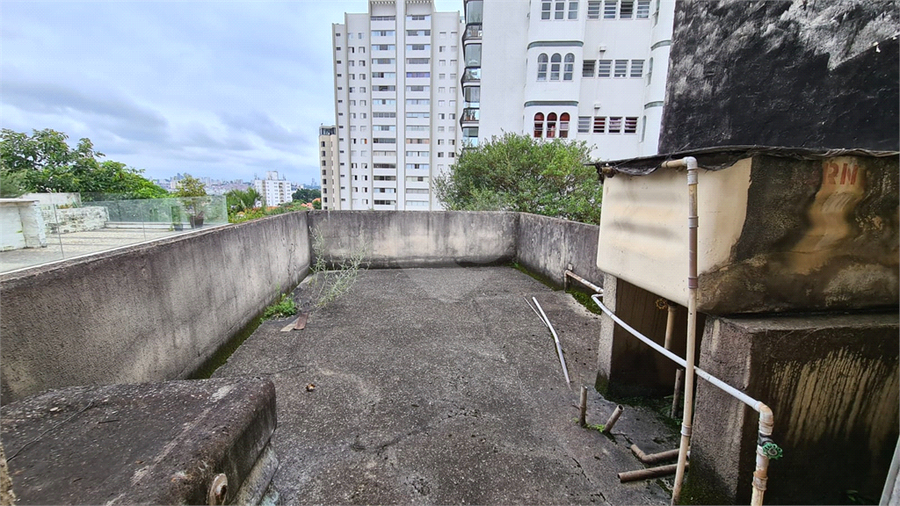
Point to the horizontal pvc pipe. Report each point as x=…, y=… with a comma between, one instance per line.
x=644, y=474
x=584, y=282
x=741, y=396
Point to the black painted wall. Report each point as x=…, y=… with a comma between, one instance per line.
x=813, y=73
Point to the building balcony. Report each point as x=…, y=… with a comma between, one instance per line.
x=469, y=117
x=471, y=76
x=472, y=33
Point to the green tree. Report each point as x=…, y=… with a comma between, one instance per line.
x=242, y=200
x=305, y=195
x=44, y=162
x=189, y=186
x=519, y=173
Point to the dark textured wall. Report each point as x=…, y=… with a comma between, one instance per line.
x=803, y=73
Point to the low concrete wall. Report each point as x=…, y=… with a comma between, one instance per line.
x=78, y=219
x=145, y=313
x=395, y=239
x=546, y=246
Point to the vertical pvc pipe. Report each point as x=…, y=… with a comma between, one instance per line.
x=670, y=327
x=691, y=328
x=760, y=475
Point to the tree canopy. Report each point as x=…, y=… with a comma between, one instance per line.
x=304, y=195
x=518, y=173
x=189, y=186
x=44, y=162
x=242, y=200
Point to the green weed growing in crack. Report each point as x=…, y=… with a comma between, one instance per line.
x=328, y=285
x=283, y=308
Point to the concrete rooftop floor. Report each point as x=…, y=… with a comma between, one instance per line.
x=441, y=386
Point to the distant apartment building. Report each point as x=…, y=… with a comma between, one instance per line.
x=593, y=70
x=397, y=106
x=274, y=190
x=328, y=163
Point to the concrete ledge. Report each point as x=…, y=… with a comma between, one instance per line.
x=148, y=443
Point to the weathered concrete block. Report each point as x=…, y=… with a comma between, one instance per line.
x=137, y=444
x=832, y=383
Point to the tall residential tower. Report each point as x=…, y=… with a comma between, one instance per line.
x=396, y=74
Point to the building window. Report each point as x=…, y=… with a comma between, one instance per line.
x=555, y=60
x=626, y=11
x=545, y=9
x=637, y=68
x=621, y=69
x=615, y=125
x=609, y=9
x=594, y=9
x=573, y=9
x=542, y=67
x=584, y=124
x=538, y=125
x=569, y=68
x=588, y=68
x=599, y=124
x=643, y=9
x=631, y=125
x=604, y=68
x=564, y=125
x=551, y=125
x=559, y=10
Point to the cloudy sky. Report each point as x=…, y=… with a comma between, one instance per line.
x=224, y=89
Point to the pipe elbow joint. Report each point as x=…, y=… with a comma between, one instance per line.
x=690, y=162
x=766, y=420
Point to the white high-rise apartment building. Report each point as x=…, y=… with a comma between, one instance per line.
x=397, y=105
x=274, y=190
x=328, y=161
x=594, y=70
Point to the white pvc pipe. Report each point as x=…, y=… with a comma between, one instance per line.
x=766, y=418
x=559, y=352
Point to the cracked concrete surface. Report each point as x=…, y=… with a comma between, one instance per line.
x=441, y=386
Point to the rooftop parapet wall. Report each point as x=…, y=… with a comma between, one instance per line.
x=547, y=246
x=145, y=313
x=392, y=239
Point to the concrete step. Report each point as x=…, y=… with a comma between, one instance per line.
x=153, y=443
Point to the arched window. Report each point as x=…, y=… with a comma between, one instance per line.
x=554, y=66
x=542, y=67
x=551, y=125
x=538, y=125
x=569, y=68
x=564, y=125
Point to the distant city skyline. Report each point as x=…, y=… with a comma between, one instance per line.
x=172, y=87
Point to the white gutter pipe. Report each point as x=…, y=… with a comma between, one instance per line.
x=688, y=413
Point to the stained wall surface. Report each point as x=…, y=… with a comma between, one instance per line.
x=146, y=313
x=807, y=73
